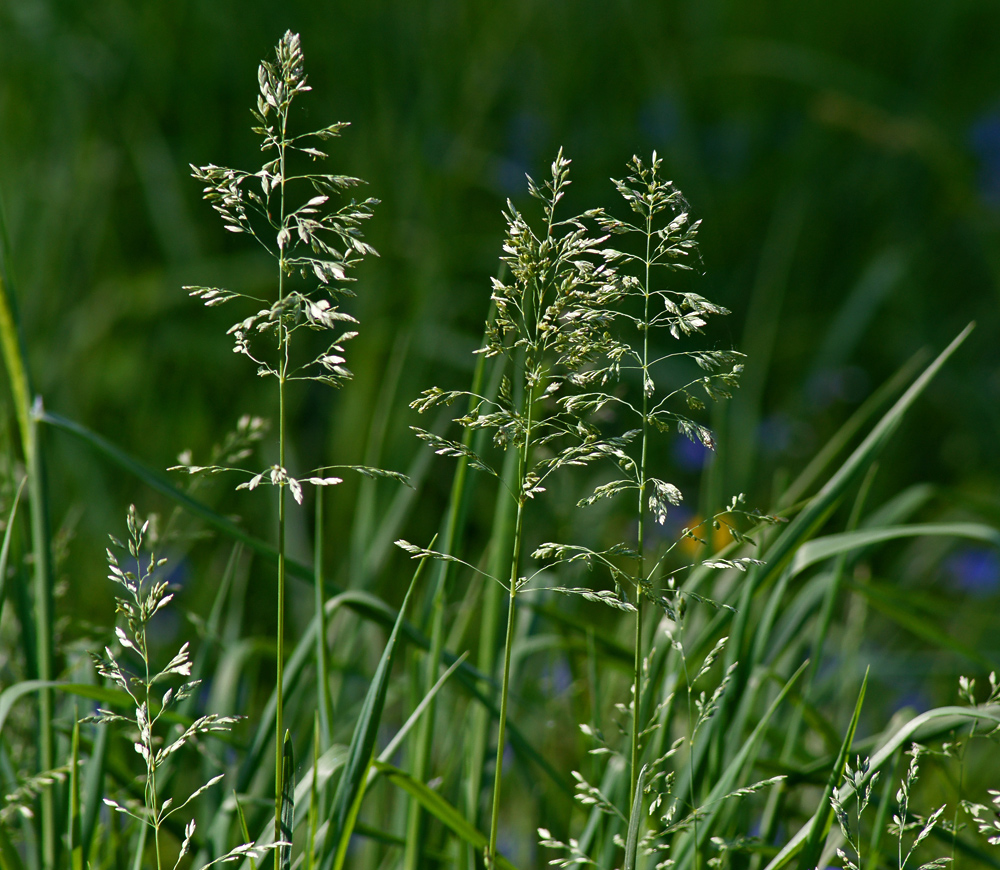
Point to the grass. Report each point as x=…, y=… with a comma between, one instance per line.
x=645, y=694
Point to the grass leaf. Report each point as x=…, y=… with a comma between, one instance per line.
x=824, y=816
x=438, y=807
x=352, y=783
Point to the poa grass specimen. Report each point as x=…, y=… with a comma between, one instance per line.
x=696, y=664
x=861, y=781
x=666, y=238
x=143, y=596
x=310, y=239
x=549, y=324
x=555, y=327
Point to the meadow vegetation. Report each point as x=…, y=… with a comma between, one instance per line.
x=537, y=650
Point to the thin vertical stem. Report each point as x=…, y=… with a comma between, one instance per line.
x=282, y=375
x=640, y=547
x=502, y=531
x=43, y=628
x=509, y=642
x=498, y=770
x=147, y=738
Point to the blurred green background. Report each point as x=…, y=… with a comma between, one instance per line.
x=845, y=159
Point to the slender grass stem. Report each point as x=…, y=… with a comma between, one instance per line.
x=504, y=690
x=502, y=531
x=279, y=725
x=43, y=632
x=151, y=799
x=640, y=548
x=509, y=642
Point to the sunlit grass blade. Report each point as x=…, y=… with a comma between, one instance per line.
x=350, y=789
x=374, y=609
x=820, y=506
x=73, y=833
x=819, y=549
x=823, y=817
x=635, y=821
x=426, y=704
x=831, y=588
x=9, y=857
x=12, y=341
x=438, y=807
x=778, y=554
x=287, y=803
x=855, y=423
x=5, y=549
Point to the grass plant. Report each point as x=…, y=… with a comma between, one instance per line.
x=143, y=596
x=309, y=239
x=593, y=664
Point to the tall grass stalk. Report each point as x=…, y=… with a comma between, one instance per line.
x=665, y=244
x=307, y=239
x=547, y=327
x=143, y=596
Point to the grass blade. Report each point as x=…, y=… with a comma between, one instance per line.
x=244, y=830
x=287, y=803
x=820, y=506
x=162, y=484
x=5, y=550
x=418, y=712
x=892, y=387
x=9, y=858
x=438, y=807
x=10, y=696
x=635, y=821
x=369, y=606
x=824, y=815
x=310, y=858
x=819, y=549
x=898, y=605
x=727, y=780
x=73, y=831
x=350, y=789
